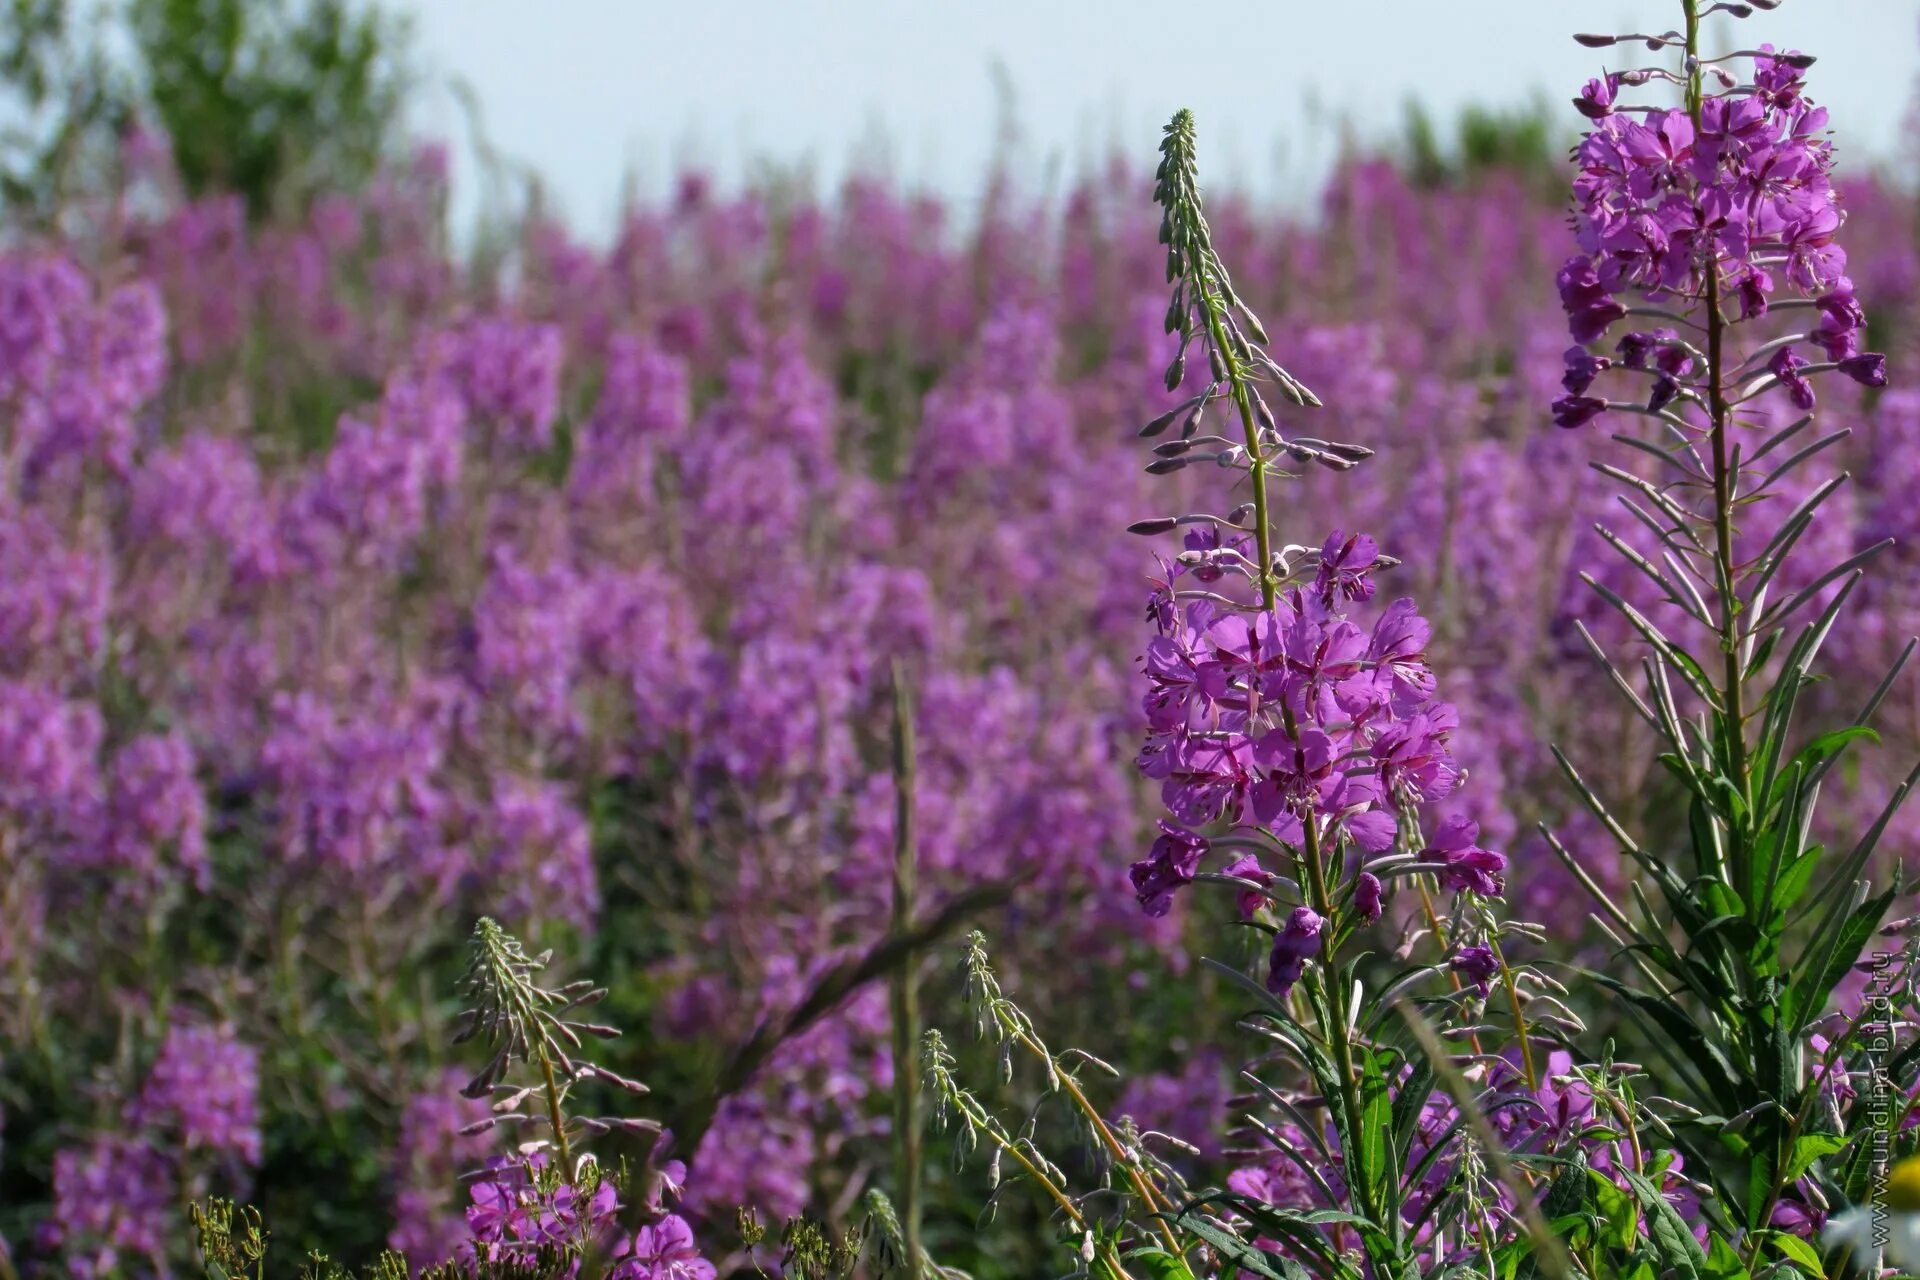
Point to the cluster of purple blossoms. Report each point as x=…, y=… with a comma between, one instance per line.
x=204, y=1091
x=520, y=1207
x=1268, y=720
x=1727, y=205
x=114, y=1202
x=116, y=1197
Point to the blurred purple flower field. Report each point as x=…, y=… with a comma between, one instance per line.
x=353, y=588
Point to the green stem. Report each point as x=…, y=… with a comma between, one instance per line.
x=906, y=999
x=1519, y=1016
x=554, y=1117
x=1337, y=1030
x=1242, y=393
x=1725, y=482
x=1141, y=1187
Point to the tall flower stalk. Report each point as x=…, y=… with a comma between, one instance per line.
x=1319, y=752
x=1719, y=218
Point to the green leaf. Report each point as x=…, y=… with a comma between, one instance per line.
x=1161, y=1265
x=1568, y=1194
x=1675, y=1249
x=1234, y=1250
x=1795, y=1250
x=1810, y=1147
x=1619, y=1216
x=1826, y=747
x=1795, y=876
x=1722, y=1262
x=1377, y=1168
x=1824, y=965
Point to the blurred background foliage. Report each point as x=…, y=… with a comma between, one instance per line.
x=271, y=99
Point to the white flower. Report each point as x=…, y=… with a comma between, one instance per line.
x=1891, y=1223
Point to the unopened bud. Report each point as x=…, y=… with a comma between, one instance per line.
x=1153, y=528
x=1596, y=41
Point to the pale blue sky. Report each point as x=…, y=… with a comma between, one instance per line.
x=589, y=91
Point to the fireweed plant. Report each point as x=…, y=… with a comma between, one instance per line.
x=1310, y=738
x=1709, y=296
x=548, y=1209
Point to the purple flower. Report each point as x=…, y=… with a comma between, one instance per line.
x=113, y=1205
x=1752, y=288
x=1247, y=867
x=1786, y=366
x=663, y=1251
x=1582, y=368
x=1346, y=567
x=1636, y=348
x=1590, y=309
x=1869, y=370
x=1293, y=946
x=1476, y=964
x=1576, y=411
x=1841, y=320
x=1665, y=391
x=204, y=1092
x=1415, y=757
x=1367, y=895
x=512, y=1212
x=1170, y=865
x=1596, y=100
x=1469, y=868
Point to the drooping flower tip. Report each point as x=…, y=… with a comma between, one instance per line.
x=1786, y=366
x=1293, y=946
x=1591, y=310
x=1570, y=412
x=1247, y=867
x=1869, y=370
x=1169, y=866
x=1477, y=965
x=1582, y=368
x=1367, y=894
x=1596, y=100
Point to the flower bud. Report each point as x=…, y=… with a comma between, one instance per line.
x=1154, y=527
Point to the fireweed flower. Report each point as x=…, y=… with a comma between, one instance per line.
x=1296, y=944
x=1476, y=964
x=1740, y=206
x=663, y=1251
x=1467, y=867
x=204, y=1091
x=113, y=1201
x=1172, y=864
